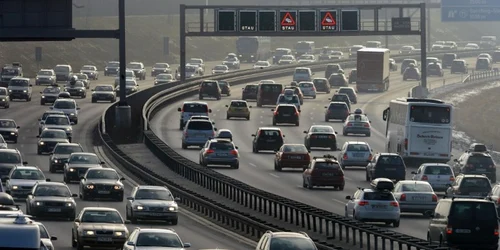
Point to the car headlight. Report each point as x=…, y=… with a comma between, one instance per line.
x=56, y=161
x=10, y=90
x=43, y=96
x=3, y=100
x=69, y=204
x=68, y=129
x=12, y=133
x=172, y=209
x=139, y=208
x=41, y=143
x=117, y=187
x=88, y=232
x=72, y=114
x=80, y=90
x=90, y=186
x=39, y=203
x=15, y=187
x=25, y=91
x=119, y=234
x=72, y=170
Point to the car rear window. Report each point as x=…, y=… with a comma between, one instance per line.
x=378, y=196
x=250, y=87
x=200, y=125
x=288, y=99
x=286, y=109
x=239, y=104
x=480, y=160
x=270, y=133
x=473, y=211
x=390, y=160
x=475, y=182
x=223, y=83
x=221, y=146
x=346, y=91
x=437, y=170
x=358, y=118
x=340, y=98
x=326, y=165
x=195, y=108
x=294, y=149
x=358, y=147
x=305, y=85
x=416, y=187
x=323, y=129
x=209, y=84
x=276, y=88
x=301, y=71
x=337, y=106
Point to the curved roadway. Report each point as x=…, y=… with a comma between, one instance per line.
x=26, y=115
x=257, y=170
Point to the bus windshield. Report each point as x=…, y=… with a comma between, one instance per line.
x=430, y=114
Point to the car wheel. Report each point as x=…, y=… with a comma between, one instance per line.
x=235, y=166
x=39, y=152
x=66, y=180
x=396, y=223
x=309, y=185
x=200, y=97
x=341, y=187
x=277, y=167
x=79, y=245
x=368, y=134
x=248, y=118
x=52, y=169
x=367, y=178
x=184, y=146
x=42, y=103
x=228, y=117
x=73, y=241
x=93, y=100
x=304, y=185
x=174, y=221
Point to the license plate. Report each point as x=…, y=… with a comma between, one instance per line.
x=103, y=192
x=327, y=174
x=358, y=155
x=322, y=137
x=379, y=206
x=428, y=154
x=357, y=125
x=418, y=198
x=296, y=157
x=156, y=214
x=462, y=231
x=286, y=115
x=54, y=210
x=221, y=154
x=390, y=169
x=476, y=194
x=480, y=170
x=200, y=136
x=104, y=239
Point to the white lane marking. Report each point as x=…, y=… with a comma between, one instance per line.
x=339, y=201
x=274, y=175
x=218, y=110
x=253, y=165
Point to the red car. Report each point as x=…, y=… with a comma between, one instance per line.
x=292, y=156
x=324, y=172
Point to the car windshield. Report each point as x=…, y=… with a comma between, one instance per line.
x=10, y=157
x=239, y=104
x=51, y=90
x=61, y=69
x=231, y=59
x=287, y=57
x=7, y=124
x=358, y=118
x=52, y=190
x=84, y=159
x=449, y=43
x=390, y=160
x=43, y=232
x=165, y=77
x=416, y=187
x=358, y=147
x=18, y=83
x=112, y=217
x=67, y=150
x=161, y=66
x=129, y=74
x=294, y=149
x=307, y=57
x=438, y=170
x=113, y=65
x=191, y=69
x=64, y=105
x=44, y=73
x=378, y=196
x=168, y=240
x=88, y=68
x=221, y=146
x=153, y=194
x=57, y=120
x=321, y=129
x=407, y=48
x=280, y=52
x=220, y=67
x=281, y=243
x=27, y=174
x=9, y=72
x=471, y=211
x=56, y=134
x=195, y=108
x=102, y=174
x=104, y=88
x=134, y=66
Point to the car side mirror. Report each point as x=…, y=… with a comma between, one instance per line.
x=455, y=160
x=92, y=90
x=74, y=195
x=215, y=129
x=51, y=107
x=272, y=109
x=30, y=194
x=370, y=121
x=187, y=245
x=41, y=92
x=47, y=179
x=102, y=163
x=326, y=107
x=122, y=179
x=249, y=107
x=5, y=179
x=413, y=172
x=130, y=198
x=130, y=243
x=329, y=99
x=18, y=127
x=77, y=220
x=348, y=197
x=299, y=110
x=31, y=85
x=227, y=106
x=82, y=178
x=305, y=132
x=42, y=123
x=243, y=88
x=25, y=163
x=283, y=135
x=72, y=123
x=236, y=147
x=179, y=109
x=37, y=136
x=78, y=108
x=253, y=135
x=275, y=151
x=53, y=238
x=209, y=111
x=127, y=222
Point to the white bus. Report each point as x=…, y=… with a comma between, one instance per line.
x=420, y=130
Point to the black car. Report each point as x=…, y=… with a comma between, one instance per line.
x=49, y=138
x=476, y=163
x=60, y=155
x=9, y=158
x=286, y=113
x=469, y=185
x=267, y=139
x=211, y=89
x=78, y=164
x=336, y=111
x=386, y=165
x=51, y=199
x=50, y=94
x=320, y=136
x=9, y=130
x=448, y=59
x=77, y=89
x=322, y=85
x=341, y=98
x=332, y=68
x=101, y=183
x=250, y=92
x=463, y=223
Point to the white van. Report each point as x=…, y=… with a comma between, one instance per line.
x=302, y=74
x=20, y=232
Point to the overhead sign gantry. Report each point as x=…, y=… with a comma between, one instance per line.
x=310, y=21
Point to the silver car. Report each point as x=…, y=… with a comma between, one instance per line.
x=440, y=176
x=357, y=124
x=45, y=76
x=4, y=98
x=370, y=205
x=152, y=203
x=83, y=78
x=220, y=152
x=355, y=153
x=197, y=133
x=308, y=89
x=58, y=122
x=3, y=143
x=45, y=115
x=90, y=71
x=69, y=107
x=22, y=179
x=415, y=197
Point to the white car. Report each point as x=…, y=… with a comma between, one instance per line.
x=262, y=65
x=485, y=55
x=69, y=107
x=22, y=179
x=306, y=59
x=154, y=238
x=287, y=59
x=471, y=46
x=415, y=197
x=284, y=99
x=407, y=50
x=3, y=143
x=220, y=69
x=45, y=236
x=308, y=89
x=438, y=175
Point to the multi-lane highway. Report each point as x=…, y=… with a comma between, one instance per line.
x=257, y=170
x=26, y=115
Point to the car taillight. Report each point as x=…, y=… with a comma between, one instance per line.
x=449, y=230
x=425, y=178
x=276, y=113
x=349, y=124
x=297, y=113
x=495, y=232
x=362, y=203
x=394, y=204
x=210, y=151
x=452, y=178
x=234, y=152
x=403, y=197
x=185, y=134
x=498, y=200
x=370, y=157
x=307, y=158
x=434, y=198
x=347, y=112
x=345, y=157
x=406, y=144
x=367, y=125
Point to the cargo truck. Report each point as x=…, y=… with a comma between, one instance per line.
x=373, y=69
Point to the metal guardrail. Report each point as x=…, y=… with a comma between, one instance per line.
x=330, y=226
